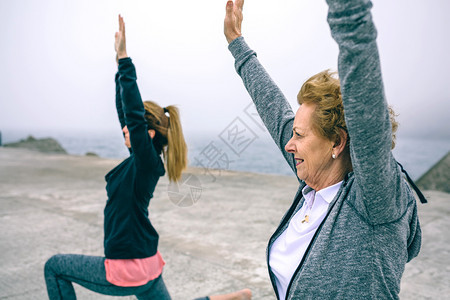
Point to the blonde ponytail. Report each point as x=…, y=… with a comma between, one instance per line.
x=175, y=153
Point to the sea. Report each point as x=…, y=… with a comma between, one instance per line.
x=254, y=151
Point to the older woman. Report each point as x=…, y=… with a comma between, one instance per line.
x=353, y=224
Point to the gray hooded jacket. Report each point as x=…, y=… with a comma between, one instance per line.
x=371, y=229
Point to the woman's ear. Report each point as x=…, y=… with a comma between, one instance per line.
x=341, y=142
x=152, y=133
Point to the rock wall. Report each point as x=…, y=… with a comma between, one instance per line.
x=437, y=177
x=47, y=145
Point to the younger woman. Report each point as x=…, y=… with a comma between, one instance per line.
x=132, y=264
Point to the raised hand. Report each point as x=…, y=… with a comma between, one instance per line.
x=120, y=43
x=233, y=20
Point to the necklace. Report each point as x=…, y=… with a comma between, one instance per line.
x=309, y=205
x=310, y=196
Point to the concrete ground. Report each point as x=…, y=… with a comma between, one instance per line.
x=213, y=230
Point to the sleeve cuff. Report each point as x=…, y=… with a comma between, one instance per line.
x=126, y=68
x=123, y=62
x=346, y=8
x=238, y=46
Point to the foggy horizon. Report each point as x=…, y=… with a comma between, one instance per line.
x=59, y=63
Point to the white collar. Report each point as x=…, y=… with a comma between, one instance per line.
x=327, y=193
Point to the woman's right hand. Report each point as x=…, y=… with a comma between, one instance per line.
x=120, y=43
x=233, y=20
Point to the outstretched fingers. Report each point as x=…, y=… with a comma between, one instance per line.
x=233, y=20
x=229, y=12
x=121, y=24
x=239, y=4
x=120, y=43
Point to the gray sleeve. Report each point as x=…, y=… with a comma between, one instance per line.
x=376, y=172
x=270, y=102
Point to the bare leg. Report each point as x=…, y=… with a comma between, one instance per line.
x=244, y=294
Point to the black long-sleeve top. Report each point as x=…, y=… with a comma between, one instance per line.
x=130, y=185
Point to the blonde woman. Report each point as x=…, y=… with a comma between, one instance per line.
x=132, y=264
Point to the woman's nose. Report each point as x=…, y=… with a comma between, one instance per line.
x=290, y=146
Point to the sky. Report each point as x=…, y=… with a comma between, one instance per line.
x=58, y=61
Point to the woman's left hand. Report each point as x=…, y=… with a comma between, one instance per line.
x=120, y=43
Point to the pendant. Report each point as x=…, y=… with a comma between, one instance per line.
x=306, y=219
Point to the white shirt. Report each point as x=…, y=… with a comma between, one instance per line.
x=289, y=248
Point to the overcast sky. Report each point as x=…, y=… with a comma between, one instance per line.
x=58, y=59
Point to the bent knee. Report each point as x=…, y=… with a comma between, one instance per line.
x=51, y=263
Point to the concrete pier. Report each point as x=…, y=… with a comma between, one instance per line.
x=213, y=241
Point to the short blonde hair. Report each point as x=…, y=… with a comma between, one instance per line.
x=324, y=90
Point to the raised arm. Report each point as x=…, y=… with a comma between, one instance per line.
x=121, y=52
x=270, y=102
x=119, y=108
x=132, y=106
x=366, y=112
